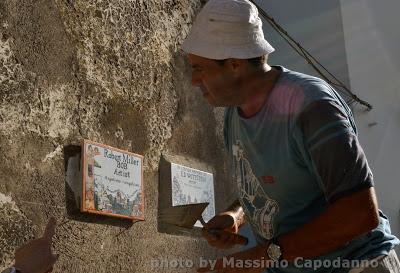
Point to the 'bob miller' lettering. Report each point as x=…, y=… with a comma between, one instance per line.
x=109, y=154
x=128, y=159
x=122, y=162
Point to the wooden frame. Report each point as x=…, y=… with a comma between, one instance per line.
x=85, y=168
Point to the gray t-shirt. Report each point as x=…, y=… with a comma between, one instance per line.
x=298, y=154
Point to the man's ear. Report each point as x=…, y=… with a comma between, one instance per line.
x=236, y=64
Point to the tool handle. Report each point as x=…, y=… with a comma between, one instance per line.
x=239, y=239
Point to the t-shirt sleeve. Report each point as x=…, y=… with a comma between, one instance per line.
x=333, y=149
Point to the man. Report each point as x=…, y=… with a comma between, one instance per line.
x=304, y=182
x=36, y=256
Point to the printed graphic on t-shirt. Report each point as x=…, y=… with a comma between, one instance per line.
x=259, y=208
x=269, y=179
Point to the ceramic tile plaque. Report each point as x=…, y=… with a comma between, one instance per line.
x=191, y=186
x=112, y=181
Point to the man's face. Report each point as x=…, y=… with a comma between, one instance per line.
x=217, y=82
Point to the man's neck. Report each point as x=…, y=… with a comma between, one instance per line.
x=259, y=92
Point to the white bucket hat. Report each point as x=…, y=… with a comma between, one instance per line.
x=227, y=29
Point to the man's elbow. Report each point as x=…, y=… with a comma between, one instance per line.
x=368, y=211
x=363, y=224
x=361, y=209
x=371, y=221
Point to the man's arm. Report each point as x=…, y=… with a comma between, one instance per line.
x=335, y=156
x=345, y=219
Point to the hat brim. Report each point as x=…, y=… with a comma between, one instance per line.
x=216, y=51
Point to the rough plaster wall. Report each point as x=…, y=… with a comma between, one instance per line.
x=110, y=71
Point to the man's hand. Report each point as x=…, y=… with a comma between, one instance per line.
x=253, y=260
x=36, y=256
x=225, y=221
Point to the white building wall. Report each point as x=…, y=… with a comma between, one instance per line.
x=316, y=25
x=372, y=46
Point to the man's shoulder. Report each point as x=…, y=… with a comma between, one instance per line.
x=296, y=90
x=304, y=81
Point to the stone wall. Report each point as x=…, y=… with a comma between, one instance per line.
x=111, y=71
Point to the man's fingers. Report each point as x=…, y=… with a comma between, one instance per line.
x=214, y=239
x=50, y=229
x=223, y=240
x=208, y=235
x=228, y=239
